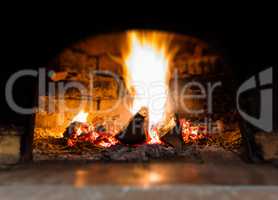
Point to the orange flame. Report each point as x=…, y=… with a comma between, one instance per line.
x=153, y=136
x=80, y=117
x=146, y=65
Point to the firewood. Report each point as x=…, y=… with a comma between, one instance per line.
x=135, y=132
x=173, y=136
x=72, y=129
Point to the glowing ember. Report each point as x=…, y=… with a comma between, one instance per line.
x=191, y=132
x=80, y=131
x=146, y=65
x=80, y=117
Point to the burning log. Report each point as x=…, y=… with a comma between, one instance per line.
x=172, y=133
x=79, y=131
x=135, y=132
x=82, y=132
x=75, y=129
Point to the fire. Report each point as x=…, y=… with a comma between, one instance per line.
x=146, y=65
x=80, y=117
x=80, y=131
x=192, y=132
x=153, y=136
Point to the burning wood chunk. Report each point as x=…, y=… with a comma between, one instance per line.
x=75, y=129
x=135, y=132
x=81, y=132
x=172, y=134
x=174, y=140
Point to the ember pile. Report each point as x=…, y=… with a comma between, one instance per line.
x=90, y=141
x=191, y=133
x=182, y=131
x=84, y=140
x=135, y=133
x=82, y=132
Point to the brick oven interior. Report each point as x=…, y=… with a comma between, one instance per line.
x=194, y=61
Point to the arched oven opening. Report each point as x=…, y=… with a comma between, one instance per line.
x=137, y=95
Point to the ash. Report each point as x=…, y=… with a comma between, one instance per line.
x=55, y=149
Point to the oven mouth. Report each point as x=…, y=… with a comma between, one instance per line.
x=92, y=109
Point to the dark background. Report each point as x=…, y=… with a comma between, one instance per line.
x=31, y=37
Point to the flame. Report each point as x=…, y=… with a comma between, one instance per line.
x=86, y=132
x=80, y=117
x=146, y=64
x=153, y=136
